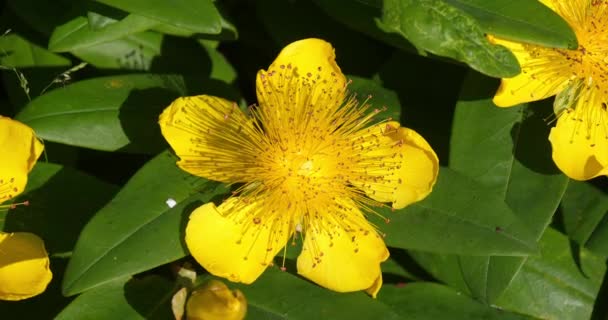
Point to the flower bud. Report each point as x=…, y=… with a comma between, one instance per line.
x=215, y=301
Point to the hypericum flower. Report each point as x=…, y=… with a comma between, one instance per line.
x=24, y=262
x=215, y=301
x=311, y=164
x=579, y=78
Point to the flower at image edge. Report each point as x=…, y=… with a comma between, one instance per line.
x=311, y=162
x=24, y=262
x=578, y=78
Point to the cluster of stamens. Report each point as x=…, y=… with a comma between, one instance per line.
x=7, y=191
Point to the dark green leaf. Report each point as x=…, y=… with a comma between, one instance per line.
x=281, y=295
x=44, y=16
x=78, y=34
x=520, y=20
x=147, y=298
x=431, y=301
x=110, y=113
x=584, y=209
x=134, y=52
x=560, y=284
x=137, y=230
x=507, y=150
x=200, y=16
x=459, y=216
x=221, y=69
x=438, y=28
x=17, y=52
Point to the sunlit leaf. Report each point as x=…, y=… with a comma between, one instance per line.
x=436, y=27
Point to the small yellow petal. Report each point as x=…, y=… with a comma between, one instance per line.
x=343, y=261
x=312, y=64
x=533, y=83
x=24, y=266
x=214, y=301
x=417, y=174
x=375, y=288
x=576, y=153
x=20, y=142
x=238, y=248
x=202, y=131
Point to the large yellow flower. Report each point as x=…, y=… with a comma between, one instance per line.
x=24, y=262
x=579, y=78
x=310, y=164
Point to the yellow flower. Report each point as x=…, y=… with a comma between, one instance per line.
x=579, y=78
x=214, y=301
x=24, y=263
x=310, y=164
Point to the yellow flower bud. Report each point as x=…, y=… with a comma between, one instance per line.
x=215, y=301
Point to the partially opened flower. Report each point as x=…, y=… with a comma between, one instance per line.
x=24, y=262
x=310, y=161
x=578, y=78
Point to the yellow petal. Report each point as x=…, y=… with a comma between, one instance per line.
x=19, y=142
x=418, y=170
x=342, y=260
x=375, y=288
x=550, y=4
x=209, y=135
x=304, y=73
x=24, y=266
x=544, y=73
x=238, y=247
x=214, y=301
x=580, y=155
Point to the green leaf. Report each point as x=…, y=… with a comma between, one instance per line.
x=27, y=68
x=200, y=16
x=520, y=20
x=431, y=301
x=77, y=33
x=133, y=52
x=18, y=52
x=281, y=295
x=436, y=27
x=459, y=216
x=560, y=284
x=146, y=298
x=137, y=230
x=507, y=150
x=61, y=201
x=221, y=69
x=109, y=113
x=379, y=97
x=584, y=209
